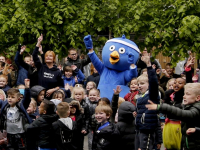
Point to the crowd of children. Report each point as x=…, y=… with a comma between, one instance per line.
x=51, y=108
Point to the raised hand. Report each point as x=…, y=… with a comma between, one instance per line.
x=146, y=58
x=190, y=61
x=40, y=49
x=27, y=83
x=22, y=49
x=88, y=42
x=73, y=67
x=118, y=90
x=40, y=39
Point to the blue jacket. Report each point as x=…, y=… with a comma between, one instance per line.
x=22, y=106
x=22, y=73
x=71, y=80
x=110, y=78
x=148, y=119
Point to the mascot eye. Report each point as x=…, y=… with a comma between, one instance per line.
x=112, y=48
x=122, y=50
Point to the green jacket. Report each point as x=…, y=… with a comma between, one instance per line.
x=190, y=118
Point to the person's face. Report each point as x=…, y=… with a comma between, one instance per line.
x=68, y=74
x=144, y=72
x=2, y=59
x=93, y=95
x=73, y=54
x=143, y=86
x=31, y=109
x=2, y=96
x=59, y=97
x=28, y=60
x=190, y=97
x=171, y=84
x=78, y=95
x=3, y=82
x=169, y=70
x=13, y=99
x=49, y=58
x=134, y=85
x=41, y=109
x=21, y=87
x=95, y=71
x=89, y=86
x=41, y=96
x=72, y=110
x=101, y=117
x=178, y=84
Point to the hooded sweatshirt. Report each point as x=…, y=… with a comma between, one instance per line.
x=126, y=126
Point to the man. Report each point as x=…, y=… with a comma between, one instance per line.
x=2, y=58
x=73, y=59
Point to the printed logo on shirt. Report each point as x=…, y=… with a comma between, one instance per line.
x=48, y=75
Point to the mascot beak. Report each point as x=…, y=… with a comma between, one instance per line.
x=114, y=57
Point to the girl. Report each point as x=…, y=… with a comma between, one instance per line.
x=90, y=85
x=92, y=99
x=78, y=94
x=170, y=84
x=59, y=95
x=68, y=75
x=133, y=91
x=32, y=109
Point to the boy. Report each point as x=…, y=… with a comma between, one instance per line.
x=14, y=117
x=106, y=133
x=3, y=83
x=146, y=121
x=189, y=116
x=64, y=128
x=38, y=93
x=41, y=129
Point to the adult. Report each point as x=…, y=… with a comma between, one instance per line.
x=73, y=59
x=95, y=77
x=49, y=76
x=2, y=58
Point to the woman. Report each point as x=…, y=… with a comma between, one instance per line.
x=49, y=76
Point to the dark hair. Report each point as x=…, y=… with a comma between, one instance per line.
x=2, y=64
x=49, y=107
x=105, y=100
x=67, y=69
x=56, y=93
x=71, y=49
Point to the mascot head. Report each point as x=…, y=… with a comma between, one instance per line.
x=119, y=53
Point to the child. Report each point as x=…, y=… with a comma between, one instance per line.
x=146, y=121
x=78, y=94
x=64, y=128
x=13, y=117
x=38, y=93
x=106, y=133
x=133, y=91
x=58, y=95
x=4, y=69
x=90, y=85
x=2, y=95
x=92, y=99
x=68, y=75
x=189, y=116
x=170, y=84
x=3, y=83
x=32, y=109
x=77, y=115
x=21, y=88
x=41, y=129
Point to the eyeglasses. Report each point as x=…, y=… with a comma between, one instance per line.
x=73, y=54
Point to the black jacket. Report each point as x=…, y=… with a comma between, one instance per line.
x=35, y=91
x=106, y=138
x=126, y=126
x=189, y=119
x=86, y=116
x=41, y=131
x=80, y=63
x=64, y=137
x=95, y=77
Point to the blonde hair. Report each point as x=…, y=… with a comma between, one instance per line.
x=143, y=77
x=120, y=101
x=33, y=103
x=194, y=88
x=77, y=89
x=104, y=108
x=52, y=53
x=94, y=89
x=167, y=86
x=94, y=84
x=63, y=109
x=4, y=76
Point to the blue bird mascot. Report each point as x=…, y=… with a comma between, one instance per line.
x=119, y=56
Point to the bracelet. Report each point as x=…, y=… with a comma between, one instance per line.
x=158, y=106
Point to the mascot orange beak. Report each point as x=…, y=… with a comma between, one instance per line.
x=114, y=57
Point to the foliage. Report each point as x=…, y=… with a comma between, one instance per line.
x=171, y=26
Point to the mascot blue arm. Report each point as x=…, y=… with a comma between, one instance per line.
x=118, y=54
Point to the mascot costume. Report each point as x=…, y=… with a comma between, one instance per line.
x=119, y=56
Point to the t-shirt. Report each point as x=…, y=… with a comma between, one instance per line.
x=14, y=121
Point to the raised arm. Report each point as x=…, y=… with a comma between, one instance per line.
x=20, y=58
x=27, y=96
x=129, y=74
